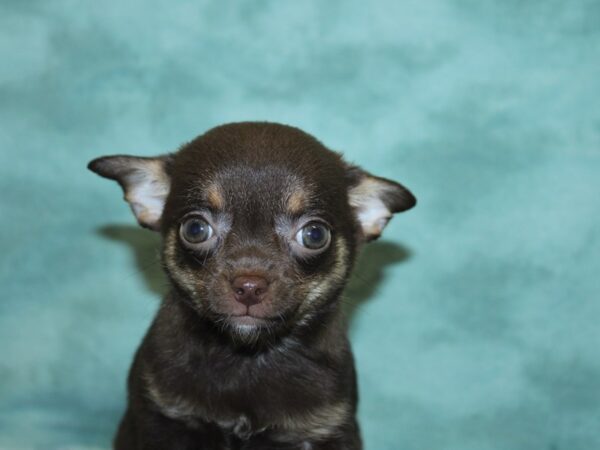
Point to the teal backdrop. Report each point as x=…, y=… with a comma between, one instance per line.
x=475, y=320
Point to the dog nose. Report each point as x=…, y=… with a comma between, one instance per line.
x=249, y=290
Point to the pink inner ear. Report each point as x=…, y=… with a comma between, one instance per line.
x=371, y=212
x=146, y=217
x=146, y=190
x=144, y=180
x=373, y=217
x=146, y=196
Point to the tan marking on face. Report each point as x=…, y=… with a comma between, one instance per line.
x=296, y=201
x=323, y=285
x=184, y=276
x=341, y=260
x=215, y=197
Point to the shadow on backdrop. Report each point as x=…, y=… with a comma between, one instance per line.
x=145, y=245
x=369, y=273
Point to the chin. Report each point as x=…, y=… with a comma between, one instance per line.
x=252, y=329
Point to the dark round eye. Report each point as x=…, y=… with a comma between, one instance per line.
x=195, y=230
x=314, y=236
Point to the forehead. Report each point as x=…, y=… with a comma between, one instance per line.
x=245, y=189
x=259, y=167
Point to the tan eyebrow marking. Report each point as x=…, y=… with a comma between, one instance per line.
x=214, y=195
x=296, y=201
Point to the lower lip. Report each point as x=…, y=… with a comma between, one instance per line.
x=247, y=320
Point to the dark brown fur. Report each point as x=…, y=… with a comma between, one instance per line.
x=200, y=380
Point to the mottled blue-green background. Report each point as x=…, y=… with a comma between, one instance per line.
x=477, y=325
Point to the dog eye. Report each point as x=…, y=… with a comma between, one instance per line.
x=314, y=236
x=195, y=230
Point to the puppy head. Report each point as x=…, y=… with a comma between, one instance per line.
x=260, y=222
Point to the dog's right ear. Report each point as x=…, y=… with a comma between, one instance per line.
x=145, y=182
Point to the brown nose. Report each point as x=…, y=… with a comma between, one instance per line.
x=249, y=290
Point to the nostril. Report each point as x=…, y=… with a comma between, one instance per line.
x=249, y=290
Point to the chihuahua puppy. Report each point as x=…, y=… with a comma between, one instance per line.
x=261, y=224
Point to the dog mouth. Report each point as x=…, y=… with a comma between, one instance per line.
x=251, y=320
x=247, y=326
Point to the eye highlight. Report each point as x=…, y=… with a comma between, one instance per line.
x=314, y=236
x=195, y=230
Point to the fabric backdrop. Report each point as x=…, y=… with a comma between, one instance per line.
x=476, y=317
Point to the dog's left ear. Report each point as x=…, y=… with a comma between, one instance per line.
x=145, y=182
x=375, y=200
